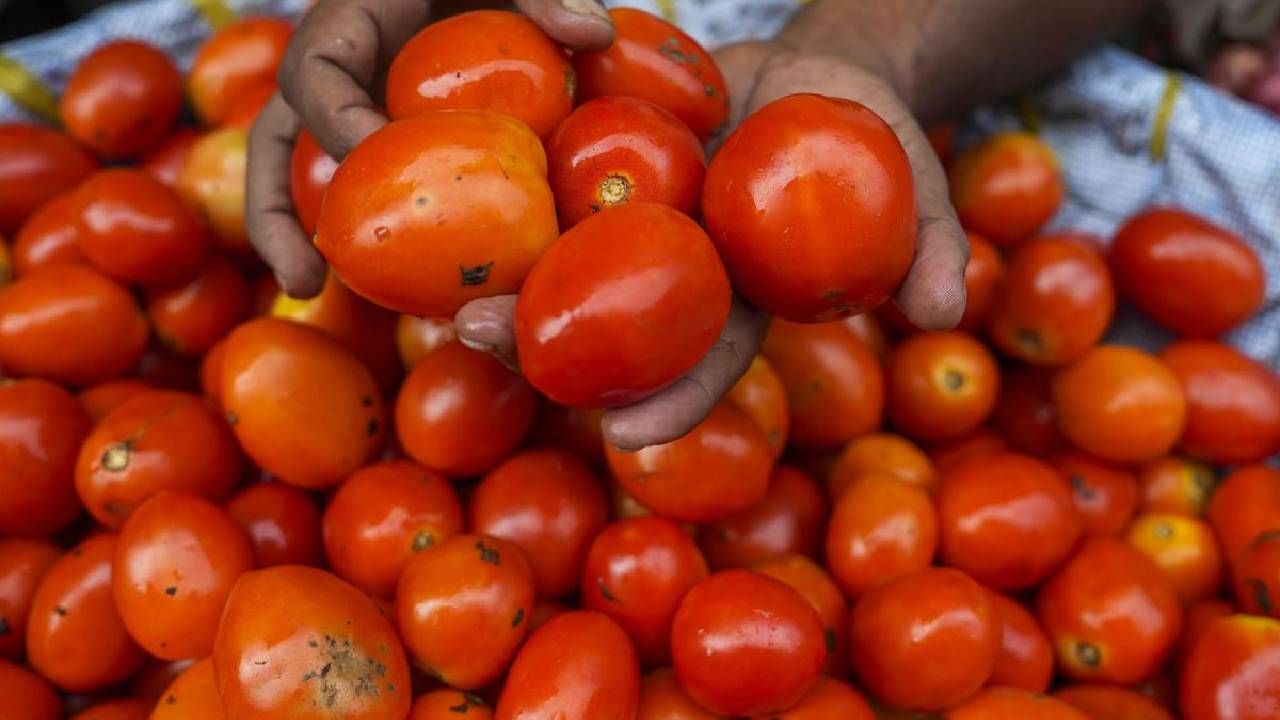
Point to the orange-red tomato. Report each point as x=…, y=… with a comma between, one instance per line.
x=122, y=98
x=191, y=317
x=866, y=328
x=282, y=522
x=1105, y=495
x=1196, y=619
x=1190, y=275
x=382, y=516
x=1024, y=412
x=828, y=699
x=1006, y=187
x=882, y=528
x=1256, y=578
x=333, y=421
x=164, y=368
x=1176, y=485
x=160, y=440
x=1233, y=402
x=635, y=292
x=155, y=677
x=166, y=161
x=721, y=467
x=297, y=643
x=212, y=183
x=760, y=394
x=1111, y=613
x=899, y=630
x=211, y=372
x=1005, y=703
x=26, y=695
x=193, y=695
x=790, y=518
x=1108, y=702
x=1120, y=404
x=940, y=385
x=1025, y=659
x=812, y=582
x=951, y=453
x=23, y=563
x=310, y=170
x=238, y=57
x=39, y=164
x=99, y=400
x=41, y=428
x=812, y=235
x=1245, y=505
x=119, y=709
x=49, y=237
x=431, y=212
x=834, y=383
x=662, y=698
x=574, y=429
x=982, y=275
x=418, y=337
x=70, y=324
x=1184, y=548
x=1233, y=672
x=245, y=108
x=449, y=705
x=579, y=664
x=884, y=452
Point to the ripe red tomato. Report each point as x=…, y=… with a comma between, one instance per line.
x=1233, y=671
x=238, y=57
x=26, y=695
x=1190, y=275
x=166, y=161
x=23, y=563
x=193, y=695
x=1256, y=579
x=119, y=709
x=662, y=698
x=447, y=704
x=813, y=583
x=1176, y=485
x=760, y=394
x=155, y=677
x=635, y=292
x=940, y=385
x=418, y=337
x=99, y=400
x=49, y=237
x=1184, y=548
x=1025, y=659
x=41, y=428
x=882, y=528
x=951, y=453
x=809, y=235
x=884, y=452
x=982, y=276
x=1105, y=495
x=282, y=522
x=1004, y=703
x=1233, y=403
x=246, y=107
x=1108, y=702
x=122, y=98
x=1024, y=412
x=310, y=170
x=789, y=519
x=39, y=165
x=191, y=317
x=1006, y=187
x=212, y=183
x=829, y=699
x=1246, y=505
x=866, y=328
x=431, y=212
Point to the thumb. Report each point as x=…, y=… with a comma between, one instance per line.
x=578, y=24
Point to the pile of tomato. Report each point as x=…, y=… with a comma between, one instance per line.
x=218, y=501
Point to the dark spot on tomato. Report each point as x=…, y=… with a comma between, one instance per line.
x=488, y=554
x=518, y=618
x=1080, y=487
x=1260, y=595
x=421, y=201
x=4, y=626
x=372, y=427
x=170, y=700
x=468, y=701
x=1029, y=340
x=570, y=82
x=1088, y=654
x=476, y=274
x=116, y=508
x=709, y=90
x=1162, y=531
x=171, y=590
x=61, y=611
x=366, y=401
x=232, y=418
x=604, y=591
x=953, y=380
x=831, y=640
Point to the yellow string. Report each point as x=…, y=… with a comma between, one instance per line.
x=27, y=90
x=216, y=12
x=1164, y=113
x=667, y=8
x=1030, y=118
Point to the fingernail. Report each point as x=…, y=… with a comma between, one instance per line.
x=477, y=346
x=585, y=7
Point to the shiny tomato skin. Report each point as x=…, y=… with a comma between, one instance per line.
x=807, y=235
x=760, y=394
x=1025, y=659
x=1006, y=187
x=282, y=522
x=418, y=337
x=790, y=518
x=49, y=237
x=1177, y=485
x=193, y=695
x=813, y=583
x=446, y=704
x=212, y=183
x=41, y=428
x=23, y=563
x=940, y=385
x=310, y=170
x=662, y=698
x=669, y=299
x=1004, y=703
x=40, y=164
x=119, y=709
x=238, y=57
x=1184, y=548
x=1024, y=412
x=1256, y=576
x=881, y=529
x=1190, y=275
x=26, y=695
x=829, y=699
x=1233, y=671
x=1233, y=403
x=1108, y=702
x=1105, y=494
x=1245, y=505
x=166, y=160
x=431, y=212
x=99, y=400
x=122, y=98
x=884, y=452
x=191, y=317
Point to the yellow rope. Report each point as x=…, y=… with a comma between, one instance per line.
x=1164, y=113
x=216, y=12
x=27, y=90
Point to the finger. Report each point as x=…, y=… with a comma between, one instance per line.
x=488, y=325
x=578, y=24
x=672, y=412
x=269, y=215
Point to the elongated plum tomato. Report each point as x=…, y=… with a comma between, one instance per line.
x=1109, y=702
x=122, y=99
x=1233, y=402
x=1025, y=659
x=24, y=694
x=812, y=206
x=999, y=703
x=282, y=522
x=39, y=164
x=193, y=695
x=23, y=564
x=1007, y=187
x=1233, y=670
x=788, y=519
x=236, y=59
x=296, y=643
x=212, y=182
x=41, y=427
x=49, y=237
x=636, y=293
x=431, y=212
x=190, y=318
x=310, y=171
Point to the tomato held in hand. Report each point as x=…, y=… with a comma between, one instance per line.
x=26, y=695
x=1177, y=485
x=212, y=183
x=23, y=564
x=193, y=695
x=431, y=212
x=1105, y=495
x=1184, y=548
x=940, y=385
x=49, y=237
x=310, y=170
x=790, y=518
x=812, y=206
x=1246, y=505
x=636, y=293
x=1233, y=403
x=1005, y=703
x=1024, y=412
x=881, y=529
x=41, y=428
x=1025, y=659
x=1007, y=187
x=190, y=318
x=122, y=98
x=662, y=698
x=1233, y=671
x=40, y=164
x=813, y=583
x=238, y=57
x=1256, y=578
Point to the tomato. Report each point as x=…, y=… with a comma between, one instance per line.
x=238, y=57
x=1197, y=618
x=1107, y=702
x=310, y=170
x=881, y=529
x=940, y=385
x=282, y=523
x=382, y=516
x=1233, y=403
x=283, y=626
x=982, y=275
x=1257, y=576
x=766, y=631
x=1025, y=659
x=834, y=383
x=166, y=160
x=193, y=695
x=829, y=699
x=549, y=504
x=1006, y=187
x=1111, y=613
x=674, y=479
x=461, y=412
x=1184, y=548
x=50, y=237
x=811, y=235
x=41, y=428
x=1234, y=671
x=1176, y=485
x=790, y=518
x=448, y=704
x=26, y=695
x=99, y=400
x=190, y=318
x=163, y=368
x=947, y=454
x=211, y=372
x=1024, y=412
x=662, y=698
x=122, y=98
x=668, y=298
x=579, y=664
x=866, y=328
x=429, y=213
x=70, y=324
x=760, y=394
x=1004, y=703
x=333, y=421
x=1246, y=505
x=120, y=709
x=39, y=164
x=883, y=452
x=574, y=429
x=1106, y=495
x=1190, y=275
x=212, y=183
x=809, y=579
x=23, y=563
x=899, y=629
x=245, y=108
x=155, y=677
x=418, y=337
x=1120, y=404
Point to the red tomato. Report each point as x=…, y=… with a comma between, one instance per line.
x=190, y=318
x=166, y=161
x=1024, y=412
x=212, y=183
x=99, y=400
x=951, y=453
x=1025, y=659
x=1233, y=403
x=811, y=235
x=829, y=699
x=636, y=292
x=1257, y=575
x=982, y=276
x=812, y=582
x=1190, y=275
x=41, y=428
x=884, y=452
x=760, y=394
x=789, y=519
x=866, y=328
x=1105, y=495
x=38, y=165
x=155, y=677
x=23, y=563
x=1007, y=187
x=49, y=237
x=193, y=695
x=881, y=529
x=662, y=698
x=940, y=385
x=310, y=171
x=431, y=212
x=447, y=704
x=238, y=57
x=122, y=98
x=282, y=523
x=245, y=108
x=573, y=429
x=1176, y=485
x=1233, y=672
x=1246, y=505
x=26, y=695
x=163, y=368
x=1184, y=548
x=1003, y=703
x=418, y=337
x=121, y=709
x=1107, y=702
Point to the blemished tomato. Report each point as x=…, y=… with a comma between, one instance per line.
x=212, y=183
x=809, y=579
x=49, y=237
x=882, y=528
x=75, y=637
x=1120, y=404
x=721, y=467
x=431, y=212
x=883, y=452
x=1025, y=659
x=119, y=709
x=1233, y=403
x=550, y=504
x=898, y=630
x=382, y=516
x=70, y=324
x=99, y=400
x=652, y=60
x=1233, y=672
x=160, y=440
x=760, y=394
x=334, y=419
x=282, y=522
x=41, y=428
x=662, y=698
x=1111, y=613
x=461, y=412
x=1108, y=702
x=1006, y=187
x=122, y=98
x=166, y=161
x=1190, y=275
x=1054, y=302
x=193, y=695
x=574, y=429
x=39, y=164
x=668, y=298
x=462, y=607
x=1005, y=703
x=828, y=699
x=834, y=383
x=579, y=664
x=1176, y=485
x=940, y=385
x=238, y=57
x=1256, y=574
x=310, y=170
x=790, y=518
x=1106, y=495
x=1024, y=412
x=1008, y=520
x=1245, y=505
x=26, y=695
x=418, y=337
x=951, y=453
x=809, y=235
x=191, y=317
x=450, y=705
x=23, y=564
x=1184, y=548
x=766, y=631
x=283, y=626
